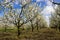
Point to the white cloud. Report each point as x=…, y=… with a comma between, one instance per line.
x=48, y=2
x=48, y=10
x=38, y=0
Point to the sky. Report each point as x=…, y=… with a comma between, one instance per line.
x=42, y=3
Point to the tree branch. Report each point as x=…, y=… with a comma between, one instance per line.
x=54, y=2
x=29, y=20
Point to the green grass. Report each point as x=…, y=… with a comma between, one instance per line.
x=42, y=34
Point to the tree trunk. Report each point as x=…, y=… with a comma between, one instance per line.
x=37, y=27
x=59, y=28
x=18, y=31
x=5, y=29
x=32, y=28
x=32, y=25
x=18, y=26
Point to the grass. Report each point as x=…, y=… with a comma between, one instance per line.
x=42, y=34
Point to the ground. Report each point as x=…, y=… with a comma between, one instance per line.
x=42, y=34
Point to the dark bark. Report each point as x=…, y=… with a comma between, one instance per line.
x=18, y=31
x=54, y=2
x=5, y=29
x=32, y=25
x=37, y=26
x=18, y=27
x=37, y=21
x=59, y=28
x=32, y=28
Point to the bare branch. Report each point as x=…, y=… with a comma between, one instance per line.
x=54, y=2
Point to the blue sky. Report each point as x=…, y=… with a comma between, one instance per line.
x=57, y=1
